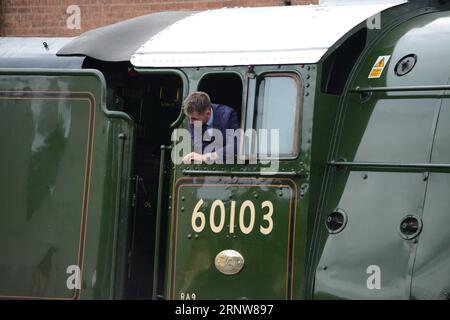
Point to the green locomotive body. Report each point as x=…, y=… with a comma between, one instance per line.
x=93, y=207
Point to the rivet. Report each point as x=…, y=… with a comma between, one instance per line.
x=182, y=198
x=189, y=236
x=182, y=208
x=196, y=236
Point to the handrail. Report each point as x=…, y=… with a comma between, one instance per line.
x=392, y=165
x=242, y=173
x=157, y=253
x=403, y=88
x=122, y=137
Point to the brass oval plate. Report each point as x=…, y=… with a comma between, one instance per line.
x=229, y=262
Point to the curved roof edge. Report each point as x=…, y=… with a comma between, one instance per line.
x=256, y=36
x=119, y=41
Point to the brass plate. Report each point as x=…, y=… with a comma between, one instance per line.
x=229, y=262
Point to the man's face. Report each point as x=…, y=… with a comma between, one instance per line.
x=203, y=117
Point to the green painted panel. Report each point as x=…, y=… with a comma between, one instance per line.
x=266, y=245
x=431, y=276
x=42, y=208
x=441, y=145
x=375, y=203
x=388, y=129
x=64, y=186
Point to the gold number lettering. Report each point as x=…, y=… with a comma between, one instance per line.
x=198, y=219
x=267, y=217
x=232, y=214
x=198, y=215
x=214, y=227
x=247, y=229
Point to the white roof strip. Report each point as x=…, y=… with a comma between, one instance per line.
x=256, y=36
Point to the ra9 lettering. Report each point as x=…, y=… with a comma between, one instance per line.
x=246, y=218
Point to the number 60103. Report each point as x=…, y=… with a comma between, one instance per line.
x=198, y=219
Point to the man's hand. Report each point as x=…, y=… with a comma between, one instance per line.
x=199, y=158
x=193, y=156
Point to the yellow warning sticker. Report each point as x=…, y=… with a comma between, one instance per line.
x=378, y=67
x=380, y=64
x=375, y=73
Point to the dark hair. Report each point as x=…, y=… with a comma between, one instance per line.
x=196, y=102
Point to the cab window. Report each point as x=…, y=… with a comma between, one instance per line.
x=275, y=105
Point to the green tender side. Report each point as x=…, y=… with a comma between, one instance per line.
x=60, y=169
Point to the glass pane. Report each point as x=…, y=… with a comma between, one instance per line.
x=277, y=109
x=248, y=139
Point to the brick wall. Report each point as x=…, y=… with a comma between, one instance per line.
x=52, y=17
